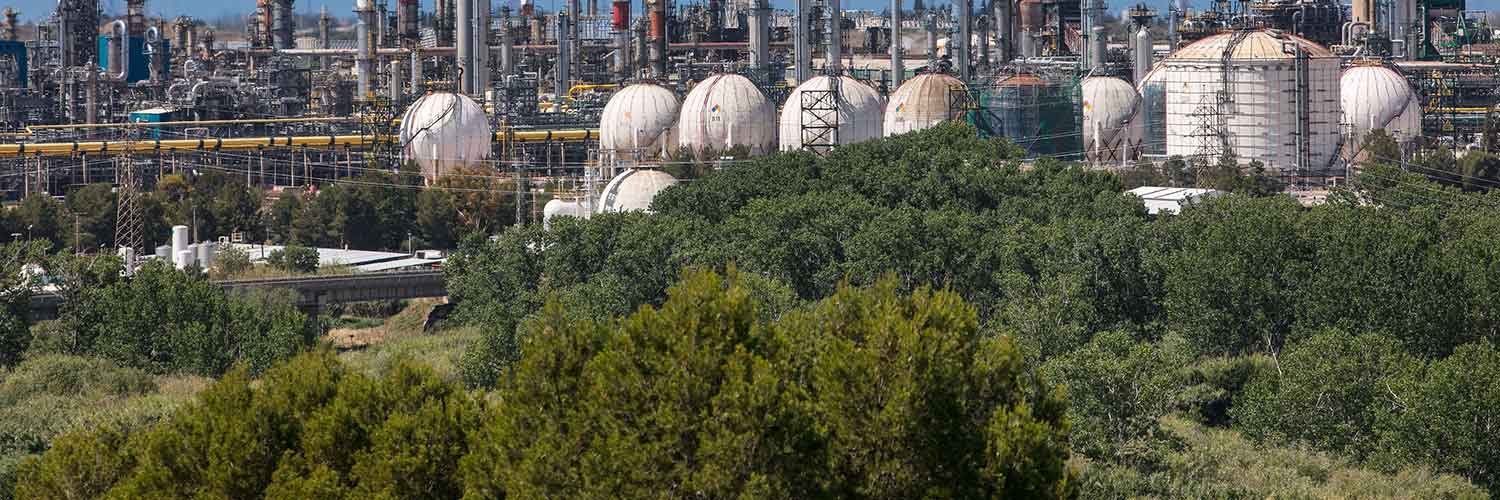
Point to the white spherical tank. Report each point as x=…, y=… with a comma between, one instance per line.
x=1376, y=97
x=557, y=207
x=1108, y=105
x=858, y=118
x=1267, y=107
x=639, y=122
x=442, y=131
x=726, y=111
x=633, y=190
x=920, y=103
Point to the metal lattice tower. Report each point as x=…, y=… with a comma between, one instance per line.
x=820, y=118
x=129, y=232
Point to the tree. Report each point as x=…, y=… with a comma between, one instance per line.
x=1447, y=417
x=15, y=298
x=1117, y=390
x=294, y=258
x=40, y=217
x=280, y=216
x=94, y=207
x=1327, y=392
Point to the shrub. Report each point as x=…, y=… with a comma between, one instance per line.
x=293, y=258
x=232, y=261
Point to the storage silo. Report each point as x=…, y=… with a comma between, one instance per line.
x=811, y=116
x=1040, y=116
x=1108, y=105
x=725, y=111
x=639, y=122
x=921, y=102
x=1262, y=95
x=1150, y=118
x=633, y=190
x=442, y=131
x=1376, y=97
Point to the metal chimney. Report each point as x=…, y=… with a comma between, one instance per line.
x=898, y=70
x=931, y=24
x=464, y=37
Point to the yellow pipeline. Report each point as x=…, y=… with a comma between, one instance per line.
x=149, y=147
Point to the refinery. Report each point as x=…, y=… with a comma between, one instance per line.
x=584, y=103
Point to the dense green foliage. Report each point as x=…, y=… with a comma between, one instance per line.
x=1192, y=309
x=293, y=258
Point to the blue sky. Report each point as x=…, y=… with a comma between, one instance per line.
x=36, y=9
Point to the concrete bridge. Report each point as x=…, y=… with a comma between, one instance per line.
x=313, y=292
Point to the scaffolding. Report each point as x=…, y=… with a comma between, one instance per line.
x=820, y=118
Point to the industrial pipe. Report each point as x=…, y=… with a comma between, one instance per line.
x=153, y=147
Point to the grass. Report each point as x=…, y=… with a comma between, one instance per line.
x=1212, y=462
x=371, y=350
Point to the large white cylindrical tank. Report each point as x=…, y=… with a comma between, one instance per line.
x=806, y=115
x=725, y=111
x=633, y=190
x=179, y=239
x=920, y=103
x=1262, y=117
x=442, y=131
x=1108, y=105
x=639, y=122
x=1376, y=97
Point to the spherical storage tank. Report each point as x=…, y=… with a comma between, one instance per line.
x=639, y=122
x=1265, y=108
x=920, y=103
x=633, y=190
x=1108, y=106
x=442, y=131
x=724, y=111
x=858, y=118
x=1376, y=97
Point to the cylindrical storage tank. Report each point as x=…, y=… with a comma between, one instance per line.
x=727, y=111
x=921, y=102
x=1108, y=105
x=1376, y=97
x=809, y=113
x=179, y=239
x=205, y=255
x=639, y=122
x=442, y=131
x=633, y=190
x=1038, y=115
x=1264, y=116
x=1150, y=120
x=182, y=259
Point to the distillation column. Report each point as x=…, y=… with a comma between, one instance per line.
x=959, y=44
x=481, y=46
x=1003, y=35
x=760, y=38
x=325, y=41
x=507, y=63
x=1142, y=54
x=364, y=63
x=464, y=36
x=802, y=51
x=282, y=24
x=658, y=9
x=835, y=39
x=619, y=21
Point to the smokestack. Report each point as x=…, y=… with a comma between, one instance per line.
x=406, y=21
x=325, y=25
x=283, y=24
x=898, y=70
x=619, y=15
x=507, y=63
x=364, y=63
x=801, y=37
x=961, y=49
x=564, y=55
x=465, y=39
x=481, y=47
x=1097, y=49
x=1003, y=27
x=1142, y=54
x=835, y=38
x=658, y=38
x=760, y=37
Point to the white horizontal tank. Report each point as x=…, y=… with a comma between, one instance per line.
x=858, y=117
x=1265, y=107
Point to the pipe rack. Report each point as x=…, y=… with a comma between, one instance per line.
x=147, y=147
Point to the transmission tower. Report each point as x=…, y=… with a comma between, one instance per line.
x=129, y=232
